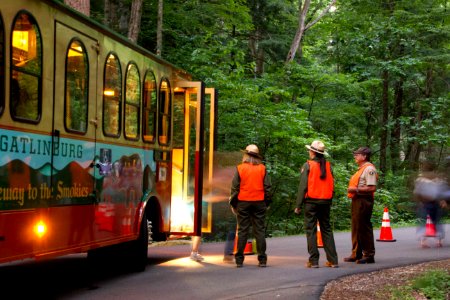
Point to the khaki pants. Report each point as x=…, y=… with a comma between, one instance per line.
x=363, y=244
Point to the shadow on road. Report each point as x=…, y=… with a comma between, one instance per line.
x=54, y=278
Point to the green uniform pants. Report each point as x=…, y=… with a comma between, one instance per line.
x=251, y=213
x=319, y=210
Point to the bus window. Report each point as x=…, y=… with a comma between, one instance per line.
x=165, y=107
x=2, y=67
x=26, y=69
x=76, y=93
x=112, y=93
x=149, y=109
x=132, y=102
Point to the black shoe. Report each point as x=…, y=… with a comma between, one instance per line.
x=366, y=260
x=351, y=259
x=238, y=265
x=262, y=265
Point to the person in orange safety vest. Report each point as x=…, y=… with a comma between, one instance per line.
x=361, y=189
x=250, y=198
x=315, y=192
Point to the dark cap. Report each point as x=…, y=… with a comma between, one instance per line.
x=363, y=150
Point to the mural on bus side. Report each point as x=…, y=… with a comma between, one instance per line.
x=26, y=179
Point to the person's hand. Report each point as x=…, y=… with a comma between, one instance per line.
x=297, y=211
x=233, y=210
x=352, y=190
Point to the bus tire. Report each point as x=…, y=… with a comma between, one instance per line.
x=139, y=248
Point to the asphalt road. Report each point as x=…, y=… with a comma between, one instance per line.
x=171, y=275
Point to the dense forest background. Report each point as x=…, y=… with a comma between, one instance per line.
x=350, y=73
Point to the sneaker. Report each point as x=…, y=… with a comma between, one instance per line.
x=195, y=256
x=366, y=260
x=262, y=264
x=331, y=265
x=311, y=265
x=238, y=265
x=228, y=258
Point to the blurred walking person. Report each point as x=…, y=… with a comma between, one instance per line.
x=315, y=192
x=429, y=189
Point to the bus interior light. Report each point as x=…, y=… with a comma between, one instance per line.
x=108, y=93
x=20, y=40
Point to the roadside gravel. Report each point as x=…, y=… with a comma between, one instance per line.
x=376, y=285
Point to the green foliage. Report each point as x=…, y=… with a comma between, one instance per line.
x=433, y=284
x=335, y=94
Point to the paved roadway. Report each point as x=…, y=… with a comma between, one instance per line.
x=171, y=275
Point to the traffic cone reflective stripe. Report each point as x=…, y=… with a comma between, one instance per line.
x=386, y=231
x=430, y=228
x=319, y=236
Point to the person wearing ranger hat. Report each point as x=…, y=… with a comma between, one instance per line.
x=250, y=197
x=361, y=189
x=315, y=193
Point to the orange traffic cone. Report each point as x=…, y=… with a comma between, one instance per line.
x=430, y=228
x=386, y=232
x=319, y=236
x=248, y=250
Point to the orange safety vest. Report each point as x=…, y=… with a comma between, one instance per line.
x=319, y=188
x=354, y=181
x=252, y=182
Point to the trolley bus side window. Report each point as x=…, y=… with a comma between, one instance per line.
x=76, y=89
x=26, y=69
x=149, y=107
x=165, y=110
x=112, y=95
x=132, y=102
x=2, y=66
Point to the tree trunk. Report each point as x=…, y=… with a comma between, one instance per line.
x=159, y=28
x=396, y=132
x=124, y=13
x=296, y=43
x=257, y=52
x=300, y=31
x=111, y=11
x=83, y=6
x=384, y=122
x=135, y=20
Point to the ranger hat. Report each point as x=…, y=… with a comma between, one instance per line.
x=363, y=150
x=252, y=150
x=318, y=147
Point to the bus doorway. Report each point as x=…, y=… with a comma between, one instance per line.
x=188, y=159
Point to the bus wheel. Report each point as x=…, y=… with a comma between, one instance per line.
x=139, y=248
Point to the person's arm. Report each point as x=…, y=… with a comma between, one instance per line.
x=367, y=189
x=303, y=187
x=267, y=189
x=235, y=188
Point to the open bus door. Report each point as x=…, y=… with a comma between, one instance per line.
x=192, y=147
